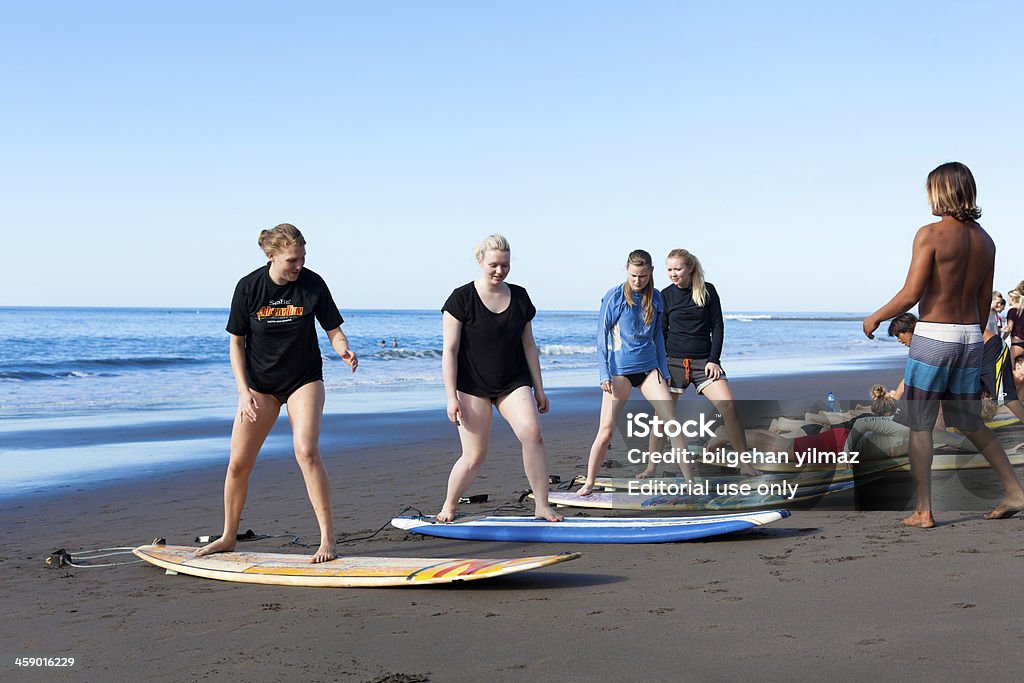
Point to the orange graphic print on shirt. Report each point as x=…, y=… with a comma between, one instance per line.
x=278, y=312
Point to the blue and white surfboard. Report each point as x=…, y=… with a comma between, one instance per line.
x=589, y=529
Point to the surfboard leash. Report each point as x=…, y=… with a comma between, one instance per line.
x=250, y=535
x=62, y=558
x=386, y=524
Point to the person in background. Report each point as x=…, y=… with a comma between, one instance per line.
x=995, y=318
x=1014, y=328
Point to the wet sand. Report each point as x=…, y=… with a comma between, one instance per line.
x=825, y=593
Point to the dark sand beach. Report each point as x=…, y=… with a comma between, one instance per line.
x=827, y=593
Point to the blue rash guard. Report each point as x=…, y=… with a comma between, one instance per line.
x=625, y=343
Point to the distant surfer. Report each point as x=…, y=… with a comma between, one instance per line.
x=490, y=358
x=275, y=358
x=694, y=331
x=950, y=277
x=631, y=354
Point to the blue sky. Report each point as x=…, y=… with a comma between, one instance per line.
x=785, y=143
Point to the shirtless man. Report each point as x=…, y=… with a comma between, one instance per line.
x=950, y=278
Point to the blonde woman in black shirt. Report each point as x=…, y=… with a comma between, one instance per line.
x=275, y=358
x=490, y=358
x=694, y=331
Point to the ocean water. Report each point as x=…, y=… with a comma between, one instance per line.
x=75, y=362
x=65, y=369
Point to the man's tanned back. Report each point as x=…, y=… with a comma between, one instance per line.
x=960, y=281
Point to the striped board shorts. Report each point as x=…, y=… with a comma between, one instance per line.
x=943, y=367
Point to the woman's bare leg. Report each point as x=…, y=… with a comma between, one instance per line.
x=246, y=440
x=720, y=395
x=817, y=418
x=306, y=413
x=656, y=443
x=760, y=439
x=655, y=390
x=611, y=407
x=520, y=410
x=474, y=434
x=784, y=425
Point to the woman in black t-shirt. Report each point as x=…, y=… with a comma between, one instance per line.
x=275, y=358
x=490, y=358
x=694, y=331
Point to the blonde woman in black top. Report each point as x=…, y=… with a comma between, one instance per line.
x=694, y=330
x=490, y=358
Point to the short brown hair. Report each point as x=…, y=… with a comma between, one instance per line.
x=904, y=322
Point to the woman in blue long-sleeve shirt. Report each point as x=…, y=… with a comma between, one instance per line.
x=631, y=354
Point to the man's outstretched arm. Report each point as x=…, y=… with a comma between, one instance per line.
x=921, y=260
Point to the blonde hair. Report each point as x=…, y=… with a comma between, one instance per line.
x=697, y=285
x=639, y=257
x=279, y=238
x=952, y=192
x=491, y=242
x=1015, y=299
x=881, y=402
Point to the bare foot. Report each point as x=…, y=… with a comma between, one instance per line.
x=545, y=512
x=717, y=441
x=446, y=515
x=747, y=470
x=647, y=473
x=1008, y=507
x=221, y=545
x=922, y=520
x=586, y=489
x=327, y=551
